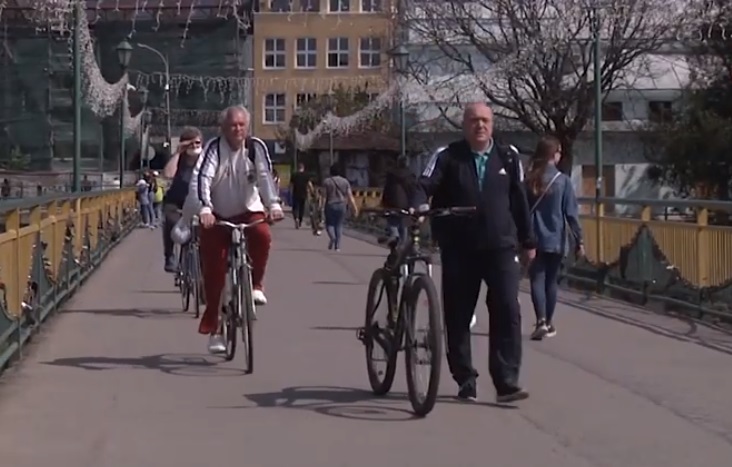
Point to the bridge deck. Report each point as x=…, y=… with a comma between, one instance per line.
x=121, y=379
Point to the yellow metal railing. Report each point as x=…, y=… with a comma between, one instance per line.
x=55, y=221
x=700, y=252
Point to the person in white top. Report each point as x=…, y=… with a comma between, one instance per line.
x=232, y=181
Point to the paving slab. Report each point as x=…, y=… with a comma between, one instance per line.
x=121, y=379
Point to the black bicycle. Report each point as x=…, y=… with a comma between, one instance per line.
x=238, y=310
x=398, y=284
x=189, y=277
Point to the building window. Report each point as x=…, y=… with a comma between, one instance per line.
x=660, y=111
x=274, y=53
x=370, y=6
x=338, y=52
x=307, y=52
x=612, y=111
x=274, y=108
x=339, y=6
x=280, y=5
x=303, y=98
x=310, y=5
x=370, y=52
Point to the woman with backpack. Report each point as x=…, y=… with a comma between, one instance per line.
x=555, y=214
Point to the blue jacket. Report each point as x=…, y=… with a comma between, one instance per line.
x=554, y=212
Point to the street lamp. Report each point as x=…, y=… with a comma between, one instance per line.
x=143, y=124
x=77, y=96
x=166, y=88
x=400, y=57
x=124, y=55
x=597, y=72
x=331, y=110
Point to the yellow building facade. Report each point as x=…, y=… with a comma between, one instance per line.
x=304, y=48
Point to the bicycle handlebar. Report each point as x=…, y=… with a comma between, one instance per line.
x=240, y=226
x=435, y=212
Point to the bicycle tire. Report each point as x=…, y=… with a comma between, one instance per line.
x=230, y=323
x=182, y=277
x=423, y=405
x=378, y=285
x=247, y=317
x=197, y=281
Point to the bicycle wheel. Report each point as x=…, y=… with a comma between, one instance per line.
x=423, y=292
x=247, y=316
x=183, y=279
x=230, y=321
x=196, y=280
x=384, y=338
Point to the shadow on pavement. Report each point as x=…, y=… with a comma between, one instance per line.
x=353, y=404
x=171, y=290
x=338, y=283
x=173, y=364
x=135, y=313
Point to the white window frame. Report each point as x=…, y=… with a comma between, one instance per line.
x=341, y=6
x=275, y=108
x=373, y=54
x=271, y=49
x=304, y=97
x=307, y=53
x=371, y=6
x=339, y=52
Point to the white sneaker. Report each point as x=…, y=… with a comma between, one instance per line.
x=259, y=298
x=473, y=321
x=216, y=344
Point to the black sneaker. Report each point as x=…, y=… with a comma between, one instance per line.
x=171, y=265
x=540, y=331
x=551, y=331
x=517, y=394
x=468, y=391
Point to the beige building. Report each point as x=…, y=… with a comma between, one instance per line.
x=303, y=48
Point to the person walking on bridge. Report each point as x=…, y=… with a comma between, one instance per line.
x=233, y=181
x=554, y=213
x=476, y=171
x=299, y=194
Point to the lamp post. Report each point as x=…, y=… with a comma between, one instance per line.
x=124, y=54
x=331, y=150
x=597, y=72
x=166, y=89
x=400, y=57
x=77, y=96
x=143, y=124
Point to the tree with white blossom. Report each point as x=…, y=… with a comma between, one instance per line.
x=532, y=59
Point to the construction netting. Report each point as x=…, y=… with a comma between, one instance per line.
x=208, y=63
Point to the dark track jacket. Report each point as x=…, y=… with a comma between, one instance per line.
x=502, y=219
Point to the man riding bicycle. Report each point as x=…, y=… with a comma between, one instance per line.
x=233, y=181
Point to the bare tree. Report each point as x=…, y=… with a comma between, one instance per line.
x=532, y=59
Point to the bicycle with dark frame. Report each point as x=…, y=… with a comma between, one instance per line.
x=400, y=283
x=189, y=278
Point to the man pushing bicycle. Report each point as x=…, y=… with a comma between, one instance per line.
x=232, y=181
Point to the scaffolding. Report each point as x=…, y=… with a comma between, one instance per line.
x=205, y=44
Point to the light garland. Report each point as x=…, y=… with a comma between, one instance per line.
x=332, y=123
x=101, y=97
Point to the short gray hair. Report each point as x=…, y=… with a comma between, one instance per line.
x=232, y=109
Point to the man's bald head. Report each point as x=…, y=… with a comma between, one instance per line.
x=478, y=125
